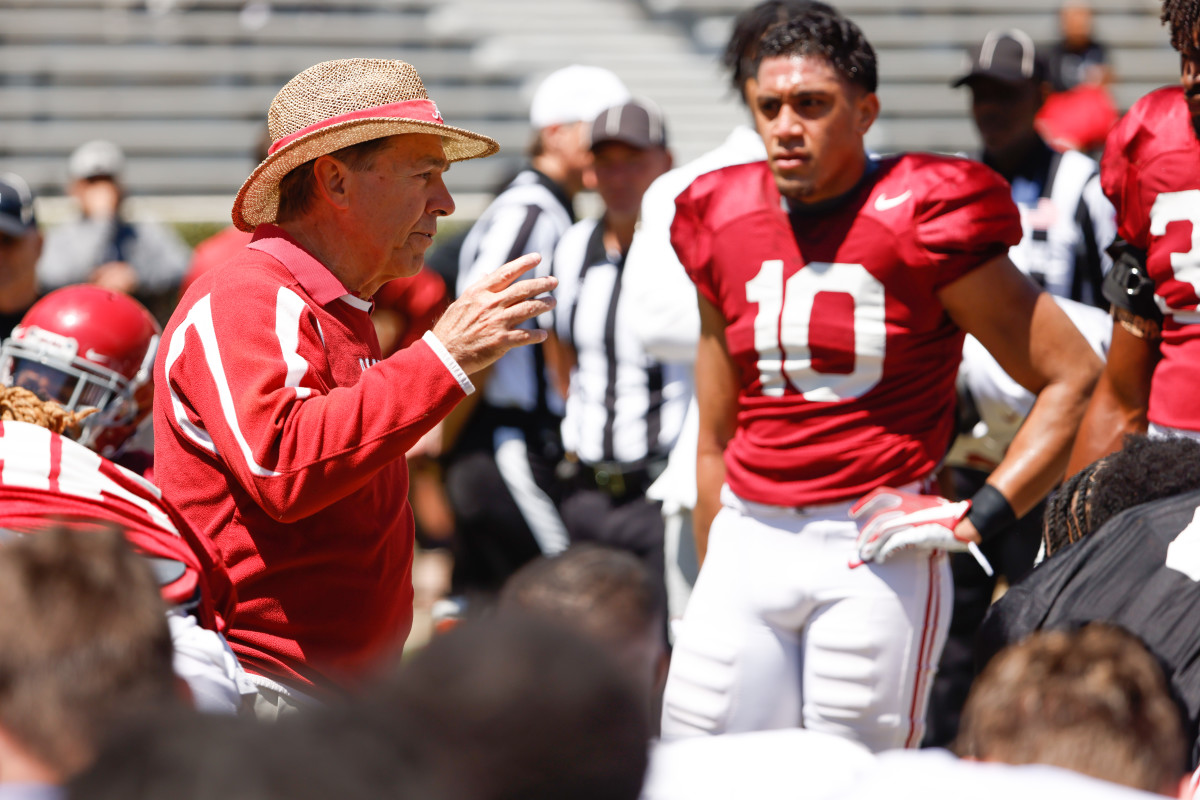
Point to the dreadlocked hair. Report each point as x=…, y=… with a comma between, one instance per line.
x=21, y=405
x=740, y=56
x=1067, y=510
x=1144, y=469
x=1182, y=18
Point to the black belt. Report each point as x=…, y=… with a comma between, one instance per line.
x=620, y=480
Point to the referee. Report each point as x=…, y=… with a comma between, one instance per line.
x=624, y=409
x=1067, y=220
x=500, y=476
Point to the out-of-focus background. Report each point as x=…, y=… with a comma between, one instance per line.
x=183, y=85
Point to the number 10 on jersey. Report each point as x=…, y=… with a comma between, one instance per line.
x=821, y=333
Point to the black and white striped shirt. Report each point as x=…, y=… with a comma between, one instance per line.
x=528, y=216
x=1067, y=223
x=623, y=406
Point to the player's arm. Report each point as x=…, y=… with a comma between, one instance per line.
x=1119, y=403
x=1122, y=396
x=1036, y=343
x=716, y=394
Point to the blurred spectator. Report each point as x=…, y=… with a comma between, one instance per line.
x=516, y=707
x=1077, y=59
x=1080, y=112
x=624, y=408
x=145, y=258
x=83, y=644
x=20, y=246
x=501, y=476
x=198, y=757
x=1093, y=701
x=609, y=596
x=1120, y=535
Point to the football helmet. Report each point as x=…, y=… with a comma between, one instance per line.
x=87, y=347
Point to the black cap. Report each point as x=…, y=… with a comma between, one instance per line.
x=638, y=123
x=16, y=205
x=1004, y=55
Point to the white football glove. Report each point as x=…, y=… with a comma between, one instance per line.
x=890, y=520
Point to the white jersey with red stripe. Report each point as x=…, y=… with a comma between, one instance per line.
x=47, y=478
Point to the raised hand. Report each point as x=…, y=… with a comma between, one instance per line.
x=484, y=322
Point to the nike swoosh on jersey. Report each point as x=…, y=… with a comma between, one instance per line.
x=885, y=203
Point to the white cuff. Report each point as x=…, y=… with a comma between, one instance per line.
x=436, y=345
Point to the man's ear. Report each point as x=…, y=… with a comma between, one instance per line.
x=332, y=181
x=868, y=111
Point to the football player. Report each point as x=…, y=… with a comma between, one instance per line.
x=76, y=372
x=835, y=290
x=1151, y=173
x=85, y=347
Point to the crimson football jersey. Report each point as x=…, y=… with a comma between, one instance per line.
x=1151, y=173
x=846, y=359
x=45, y=477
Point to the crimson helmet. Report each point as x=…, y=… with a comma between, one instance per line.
x=87, y=347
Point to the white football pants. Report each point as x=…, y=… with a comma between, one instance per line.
x=781, y=633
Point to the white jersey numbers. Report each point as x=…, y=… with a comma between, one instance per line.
x=821, y=333
x=1180, y=207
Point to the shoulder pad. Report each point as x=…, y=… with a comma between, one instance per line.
x=1127, y=285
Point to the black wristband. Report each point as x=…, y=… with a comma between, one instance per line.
x=990, y=513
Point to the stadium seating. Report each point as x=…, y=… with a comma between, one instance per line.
x=183, y=85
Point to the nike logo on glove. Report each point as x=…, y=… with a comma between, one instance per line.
x=885, y=203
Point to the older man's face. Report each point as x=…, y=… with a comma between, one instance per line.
x=397, y=203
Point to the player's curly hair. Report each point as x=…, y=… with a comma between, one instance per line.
x=748, y=30
x=21, y=405
x=1182, y=18
x=1144, y=469
x=819, y=30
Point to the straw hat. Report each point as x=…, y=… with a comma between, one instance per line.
x=336, y=104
